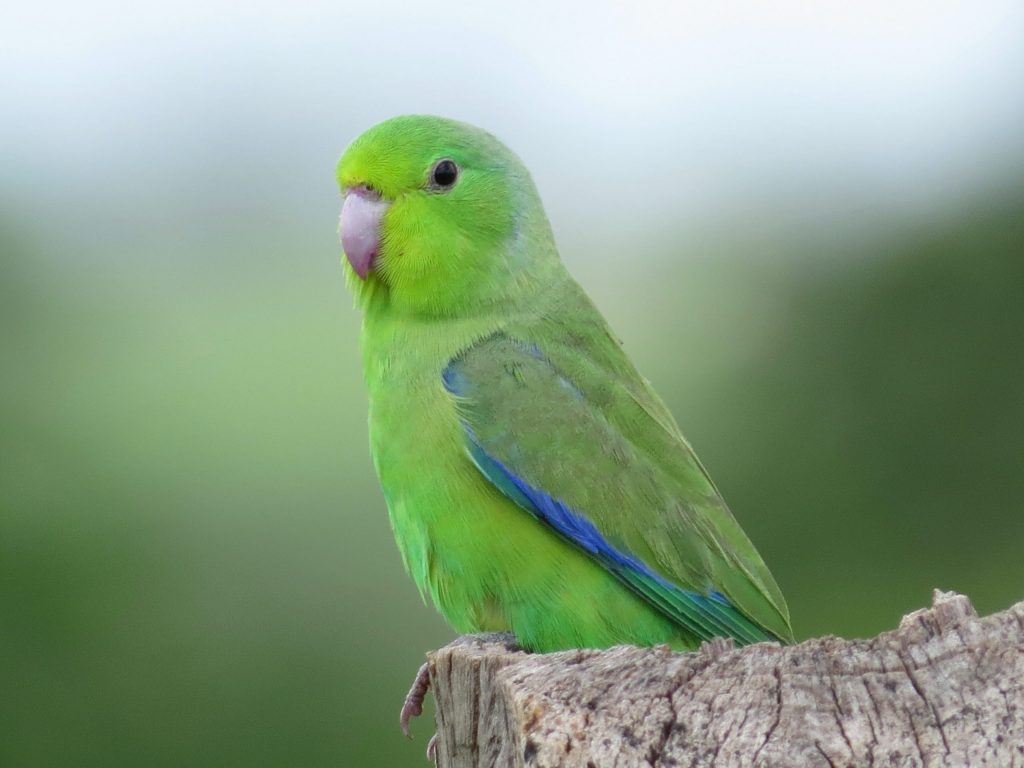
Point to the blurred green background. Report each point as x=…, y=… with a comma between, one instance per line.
x=806, y=223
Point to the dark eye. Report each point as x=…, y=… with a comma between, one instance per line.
x=444, y=175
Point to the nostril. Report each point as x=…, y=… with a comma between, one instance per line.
x=367, y=191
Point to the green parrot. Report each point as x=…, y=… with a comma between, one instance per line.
x=535, y=482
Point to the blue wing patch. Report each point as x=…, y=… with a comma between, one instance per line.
x=706, y=616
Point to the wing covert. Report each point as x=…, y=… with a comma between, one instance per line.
x=570, y=446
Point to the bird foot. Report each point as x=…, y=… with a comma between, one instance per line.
x=413, y=705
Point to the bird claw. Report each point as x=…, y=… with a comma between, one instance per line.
x=413, y=705
x=432, y=749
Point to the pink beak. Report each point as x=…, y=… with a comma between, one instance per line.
x=361, y=216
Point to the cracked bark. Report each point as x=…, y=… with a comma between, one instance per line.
x=944, y=689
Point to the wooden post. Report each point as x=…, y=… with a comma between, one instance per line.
x=944, y=689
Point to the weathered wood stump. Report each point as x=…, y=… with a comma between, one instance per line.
x=945, y=689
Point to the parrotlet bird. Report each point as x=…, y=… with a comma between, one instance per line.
x=535, y=482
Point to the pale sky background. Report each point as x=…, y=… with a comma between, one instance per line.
x=635, y=118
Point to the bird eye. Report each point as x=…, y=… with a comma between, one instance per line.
x=445, y=174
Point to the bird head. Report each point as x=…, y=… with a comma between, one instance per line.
x=439, y=217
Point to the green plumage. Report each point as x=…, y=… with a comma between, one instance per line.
x=496, y=388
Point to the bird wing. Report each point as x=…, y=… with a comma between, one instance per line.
x=581, y=442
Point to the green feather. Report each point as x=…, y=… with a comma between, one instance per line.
x=563, y=430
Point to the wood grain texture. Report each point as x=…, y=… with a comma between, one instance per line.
x=944, y=689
